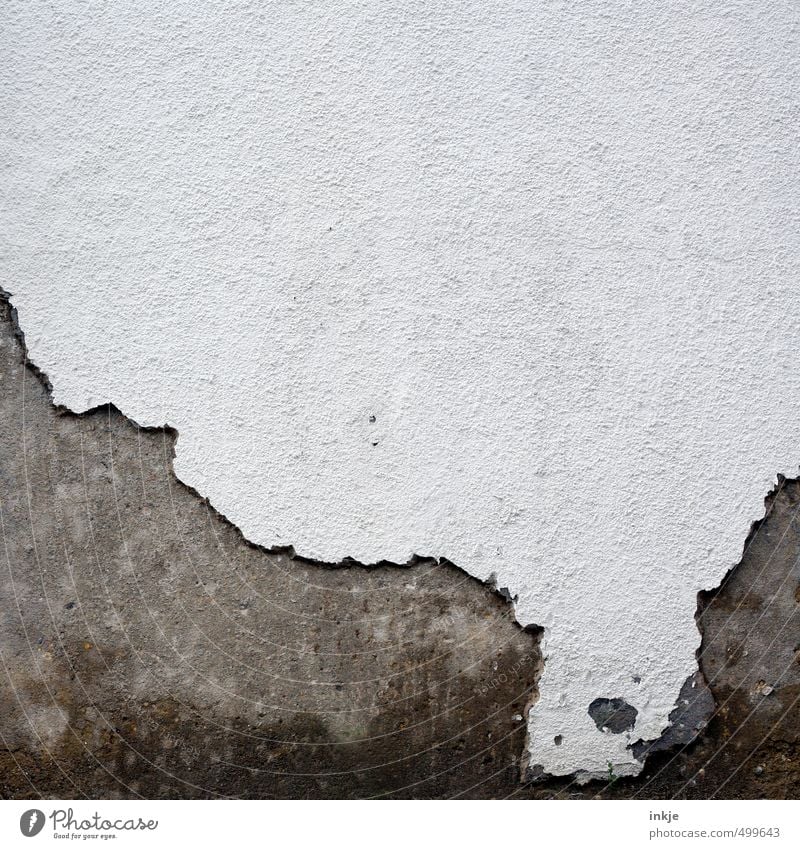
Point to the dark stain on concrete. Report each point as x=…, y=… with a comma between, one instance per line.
x=149, y=650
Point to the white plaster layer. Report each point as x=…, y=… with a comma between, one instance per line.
x=550, y=248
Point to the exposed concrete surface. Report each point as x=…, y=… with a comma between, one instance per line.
x=148, y=649
x=510, y=284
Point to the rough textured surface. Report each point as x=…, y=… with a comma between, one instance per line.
x=686, y=722
x=513, y=285
x=148, y=649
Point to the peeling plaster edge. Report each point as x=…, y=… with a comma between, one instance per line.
x=529, y=772
x=287, y=551
x=673, y=738
x=699, y=707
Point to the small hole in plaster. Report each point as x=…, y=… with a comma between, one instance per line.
x=374, y=443
x=372, y=419
x=558, y=739
x=637, y=679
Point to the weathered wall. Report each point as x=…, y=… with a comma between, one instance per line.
x=512, y=285
x=148, y=649
x=145, y=642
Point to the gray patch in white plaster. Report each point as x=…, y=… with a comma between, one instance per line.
x=613, y=715
x=554, y=258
